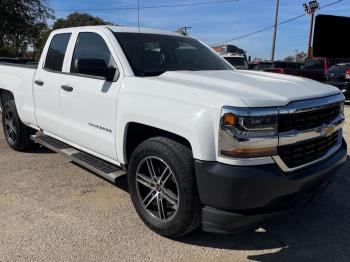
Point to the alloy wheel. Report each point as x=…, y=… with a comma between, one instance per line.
x=10, y=127
x=157, y=188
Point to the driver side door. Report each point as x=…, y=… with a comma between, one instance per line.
x=89, y=96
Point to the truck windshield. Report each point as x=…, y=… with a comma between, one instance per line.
x=154, y=54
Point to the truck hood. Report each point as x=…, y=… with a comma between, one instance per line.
x=255, y=89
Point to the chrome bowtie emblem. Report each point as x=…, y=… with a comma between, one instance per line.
x=327, y=131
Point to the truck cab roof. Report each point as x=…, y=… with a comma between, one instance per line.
x=120, y=29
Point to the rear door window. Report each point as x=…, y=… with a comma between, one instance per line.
x=56, y=52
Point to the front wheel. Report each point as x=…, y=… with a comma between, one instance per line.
x=163, y=188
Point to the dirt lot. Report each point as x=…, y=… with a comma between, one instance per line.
x=53, y=210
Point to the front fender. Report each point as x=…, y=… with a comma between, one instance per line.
x=192, y=122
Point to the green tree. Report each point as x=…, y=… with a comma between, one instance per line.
x=21, y=23
x=297, y=57
x=79, y=19
x=72, y=20
x=290, y=58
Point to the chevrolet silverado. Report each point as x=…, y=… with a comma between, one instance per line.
x=201, y=143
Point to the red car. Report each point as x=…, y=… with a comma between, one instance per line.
x=313, y=68
x=284, y=67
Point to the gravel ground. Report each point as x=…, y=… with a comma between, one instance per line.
x=53, y=210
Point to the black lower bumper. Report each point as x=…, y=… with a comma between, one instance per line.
x=237, y=197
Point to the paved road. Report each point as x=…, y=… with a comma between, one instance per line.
x=53, y=210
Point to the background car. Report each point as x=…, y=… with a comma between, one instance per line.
x=339, y=76
x=315, y=68
x=18, y=60
x=238, y=61
x=283, y=67
x=260, y=66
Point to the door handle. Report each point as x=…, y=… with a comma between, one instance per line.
x=67, y=88
x=39, y=82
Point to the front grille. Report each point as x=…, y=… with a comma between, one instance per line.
x=305, y=152
x=307, y=120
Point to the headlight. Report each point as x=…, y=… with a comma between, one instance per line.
x=248, y=133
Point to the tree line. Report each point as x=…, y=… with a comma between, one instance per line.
x=24, y=26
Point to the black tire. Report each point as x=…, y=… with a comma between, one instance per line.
x=19, y=138
x=179, y=159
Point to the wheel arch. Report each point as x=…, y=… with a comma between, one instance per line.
x=135, y=133
x=187, y=121
x=5, y=96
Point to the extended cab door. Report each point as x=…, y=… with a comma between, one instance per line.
x=88, y=94
x=47, y=82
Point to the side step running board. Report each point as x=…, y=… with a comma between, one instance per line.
x=102, y=168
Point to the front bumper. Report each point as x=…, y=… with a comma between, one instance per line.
x=237, y=197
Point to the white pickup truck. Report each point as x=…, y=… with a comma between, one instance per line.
x=202, y=144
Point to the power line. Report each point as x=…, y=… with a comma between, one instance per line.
x=272, y=26
x=148, y=7
x=260, y=30
x=336, y=2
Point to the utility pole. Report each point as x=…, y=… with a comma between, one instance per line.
x=309, y=48
x=138, y=15
x=275, y=31
x=310, y=9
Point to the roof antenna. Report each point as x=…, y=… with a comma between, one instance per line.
x=138, y=15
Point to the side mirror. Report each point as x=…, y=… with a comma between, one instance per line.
x=112, y=74
x=95, y=67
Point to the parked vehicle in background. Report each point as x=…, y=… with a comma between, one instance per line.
x=260, y=66
x=18, y=60
x=313, y=68
x=252, y=64
x=339, y=76
x=232, y=54
x=202, y=144
x=228, y=49
x=284, y=67
x=238, y=61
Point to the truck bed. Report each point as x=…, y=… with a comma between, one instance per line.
x=33, y=66
x=18, y=79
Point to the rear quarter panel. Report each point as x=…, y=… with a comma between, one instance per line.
x=19, y=81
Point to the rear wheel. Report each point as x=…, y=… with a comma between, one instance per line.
x=163, y=188
x=16, y=133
